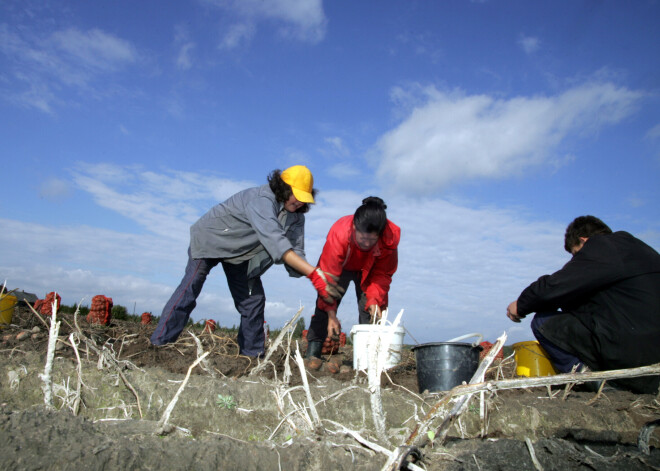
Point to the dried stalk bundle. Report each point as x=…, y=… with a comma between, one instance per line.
x=287, y=327
x=567, y=378
x=76, y=404
x=310, y=401
x=48, y=369
x=200, y=351
x=163, y=427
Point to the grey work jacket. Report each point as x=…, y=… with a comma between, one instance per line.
x=242, y=223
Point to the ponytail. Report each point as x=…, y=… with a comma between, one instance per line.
x=370, y=217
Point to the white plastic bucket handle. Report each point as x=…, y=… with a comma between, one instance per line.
x=467, y=336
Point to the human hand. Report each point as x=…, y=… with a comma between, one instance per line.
x=334, y=326
x=512, y=312
x=374, y=312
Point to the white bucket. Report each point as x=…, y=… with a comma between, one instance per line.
x=364, y=335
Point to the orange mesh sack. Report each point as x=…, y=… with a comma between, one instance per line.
x=209, y=326
x=486, y=348
x=101, y=310
x=146, y=318
x=45, y=306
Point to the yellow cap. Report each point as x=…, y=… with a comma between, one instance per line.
x=300, y=179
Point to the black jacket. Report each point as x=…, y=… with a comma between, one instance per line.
x=609, y=295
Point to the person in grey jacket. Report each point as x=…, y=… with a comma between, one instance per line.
x=247, y=233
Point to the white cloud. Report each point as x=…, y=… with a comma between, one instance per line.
x=343, y=170
x=654, y=132
x=54, y=189
x=43, y=67
x=635, y=201
x=529, y=44
x=184, y=48
x=237, y=35
x=94, y=48
x=303, y=20
x=451, y=137
x=337, y=146
x=161, y=203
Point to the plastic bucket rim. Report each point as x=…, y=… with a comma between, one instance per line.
x=375, y=328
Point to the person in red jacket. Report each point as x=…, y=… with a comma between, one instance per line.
x=361, y=248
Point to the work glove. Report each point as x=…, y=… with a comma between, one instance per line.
x=326, y=285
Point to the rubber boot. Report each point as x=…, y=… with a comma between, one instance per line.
x=313, y=360
x=314, y=349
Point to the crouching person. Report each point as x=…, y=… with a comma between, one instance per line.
x=602, y=309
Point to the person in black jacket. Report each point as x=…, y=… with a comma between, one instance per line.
x=602, y=309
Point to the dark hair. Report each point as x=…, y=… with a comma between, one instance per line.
x=371, y=216
x=282, y=190
x=583, y=226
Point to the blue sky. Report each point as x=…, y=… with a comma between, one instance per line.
x=486, y=126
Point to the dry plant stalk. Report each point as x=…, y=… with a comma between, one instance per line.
x=48, y=369
x=130, y=388
x=106, y=357
x=378, y=352
x=303, y=374
x=532, y=454
x=205, y=364
x=371, y=445
x=373, y=373
x=77, y=400
x=288, y=326
x=163, y=427
x=34, y=311
x=566, y=378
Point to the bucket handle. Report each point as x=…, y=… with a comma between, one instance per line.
x=467, y=336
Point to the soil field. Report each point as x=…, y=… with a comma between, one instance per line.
x=111, y=392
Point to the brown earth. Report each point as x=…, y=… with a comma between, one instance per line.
x=226, y=418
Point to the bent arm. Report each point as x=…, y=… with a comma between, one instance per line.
x=298, y=263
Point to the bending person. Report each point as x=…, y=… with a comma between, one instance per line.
x=361, y=248
x=247, y=234
x=609, y=296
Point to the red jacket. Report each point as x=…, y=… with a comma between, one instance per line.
x=378, y=266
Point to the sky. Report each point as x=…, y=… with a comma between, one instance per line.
x=486, y=126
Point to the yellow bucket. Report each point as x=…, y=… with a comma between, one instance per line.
x=7, y=303
x=532, y=360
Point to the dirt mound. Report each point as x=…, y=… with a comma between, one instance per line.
x=226, y=418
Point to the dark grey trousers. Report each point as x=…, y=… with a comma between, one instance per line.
x=248, y=295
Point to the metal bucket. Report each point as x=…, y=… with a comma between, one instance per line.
x=444, y=365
